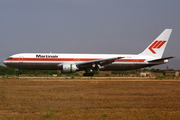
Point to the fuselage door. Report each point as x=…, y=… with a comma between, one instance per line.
x=136, y=61
x=76, y=60
x=21, y=59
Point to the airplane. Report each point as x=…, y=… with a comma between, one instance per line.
x=71, y=63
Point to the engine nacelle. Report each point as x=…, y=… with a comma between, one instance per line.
x=69, y=68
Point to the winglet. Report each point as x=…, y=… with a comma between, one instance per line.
x=157, y=47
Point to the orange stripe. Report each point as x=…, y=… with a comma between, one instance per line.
x=157, y=44
x=150, y=48
x=130, y=60
x=72, y=59
x=161, y=44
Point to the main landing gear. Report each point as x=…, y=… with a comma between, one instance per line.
x=88, y=72
x=17, y=72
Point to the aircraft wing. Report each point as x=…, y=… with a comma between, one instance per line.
x=161, y=59
x=101, y=62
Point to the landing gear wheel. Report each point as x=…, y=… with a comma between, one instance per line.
x=17, y=72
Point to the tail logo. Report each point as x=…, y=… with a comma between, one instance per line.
x=156, y=45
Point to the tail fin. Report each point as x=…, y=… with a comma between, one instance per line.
x=157, y=47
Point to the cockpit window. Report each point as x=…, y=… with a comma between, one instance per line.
x=10, y=58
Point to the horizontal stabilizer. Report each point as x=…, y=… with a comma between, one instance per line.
x=161, y=59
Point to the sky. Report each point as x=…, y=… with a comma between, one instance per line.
x=88, y=26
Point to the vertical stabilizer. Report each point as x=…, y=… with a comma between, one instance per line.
x=157, y=47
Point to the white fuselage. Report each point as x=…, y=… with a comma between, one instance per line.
x=69, y=63
x=50, y=61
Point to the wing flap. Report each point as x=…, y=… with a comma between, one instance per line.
x=101, y=62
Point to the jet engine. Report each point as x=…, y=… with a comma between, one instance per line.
x=69, y=68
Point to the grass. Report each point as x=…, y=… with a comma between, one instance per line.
x=6, y=77
x=49, y=114
x=165, y=77
x=2, y=95
x=107, y=75
x=88, y=99
x=72, y=77
x=104, y=115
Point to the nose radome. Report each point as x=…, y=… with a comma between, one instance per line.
x=4, y=62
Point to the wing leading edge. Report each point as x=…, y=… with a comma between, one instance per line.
x=101, y=62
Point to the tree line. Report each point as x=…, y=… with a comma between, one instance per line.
x=11, y=71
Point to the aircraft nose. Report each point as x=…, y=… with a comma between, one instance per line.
x=4, y=62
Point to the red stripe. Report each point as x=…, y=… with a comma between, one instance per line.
x=130, y=60
x=155, y=46
x=51, y=59
x=161, y=44
x=71, y=59
x=150, y=48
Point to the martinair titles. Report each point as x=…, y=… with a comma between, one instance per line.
x=46, y=56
